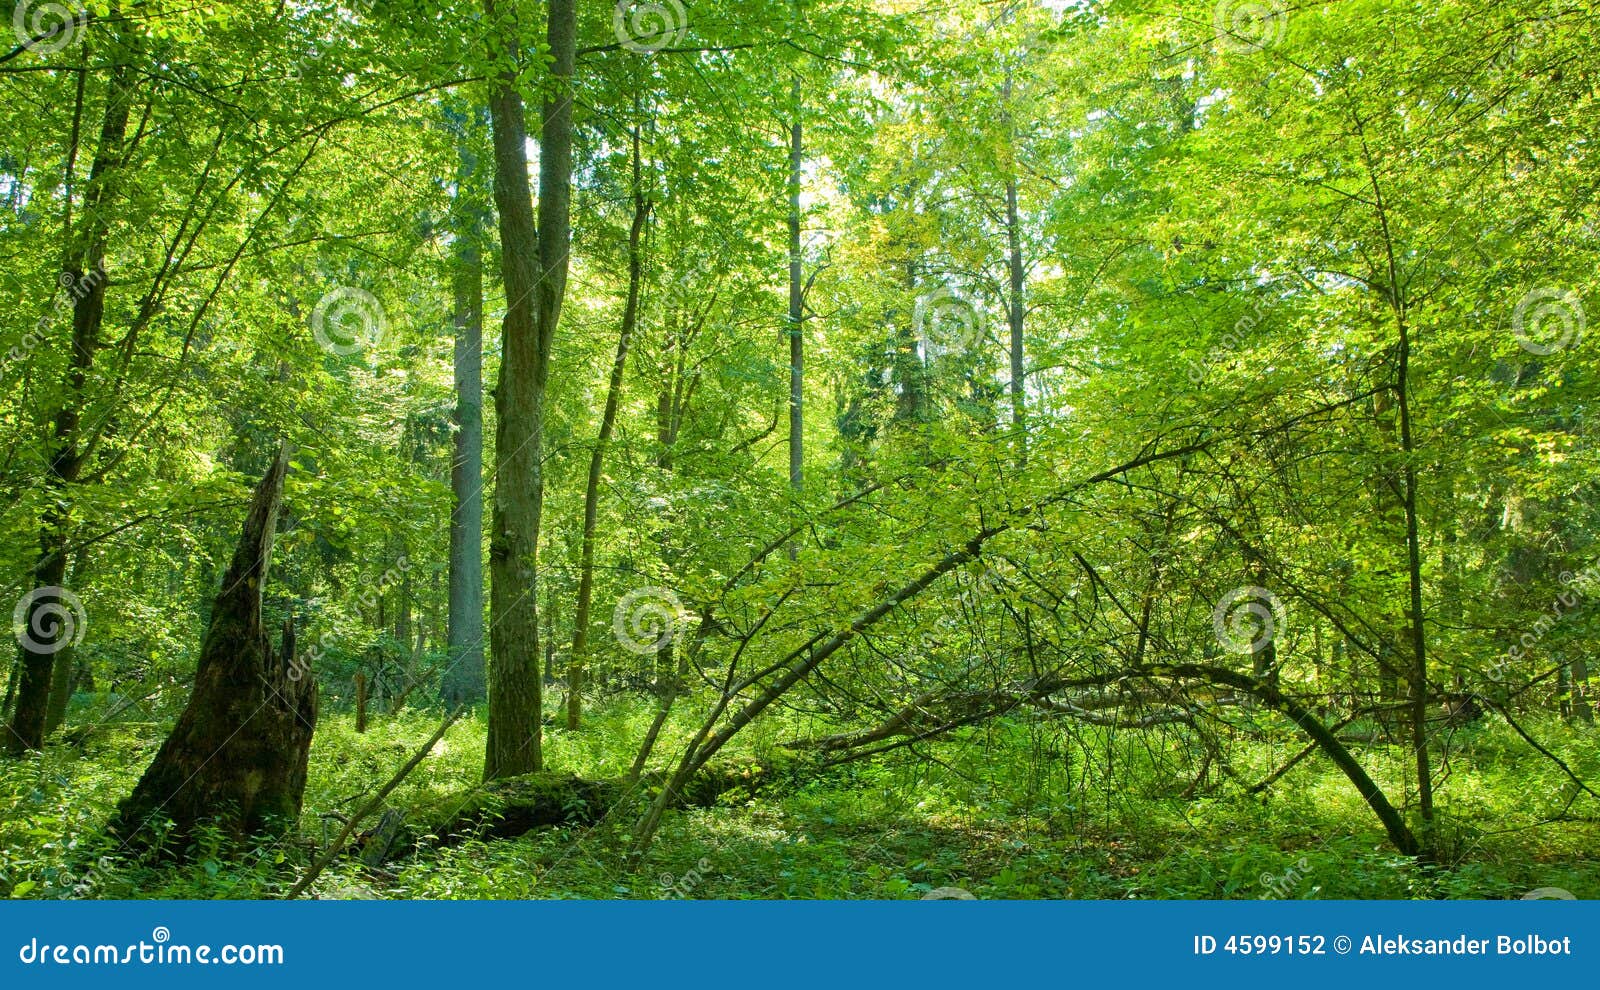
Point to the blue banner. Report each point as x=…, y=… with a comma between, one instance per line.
x=792, y=944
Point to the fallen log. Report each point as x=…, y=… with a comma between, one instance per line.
x=514, y=806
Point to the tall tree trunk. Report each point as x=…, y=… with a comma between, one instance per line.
x=402, y=617
x=464, y=678
x=1582, y=707
x=608, y=420
x=65, y=670
x=1016, y=313
x=1417, y=675
x=237, y=754
x=534, y=268
x=797, y=340
x=84, y=268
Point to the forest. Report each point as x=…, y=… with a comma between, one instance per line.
x=799, y=449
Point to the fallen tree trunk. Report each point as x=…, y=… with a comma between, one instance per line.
x=237, y=755
x=513, y=806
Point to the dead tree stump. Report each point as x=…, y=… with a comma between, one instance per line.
x=237, y=756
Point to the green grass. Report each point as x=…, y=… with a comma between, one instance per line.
x=1010, y=811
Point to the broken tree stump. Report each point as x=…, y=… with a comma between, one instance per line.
x=237, y=755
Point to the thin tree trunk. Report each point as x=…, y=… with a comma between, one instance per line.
x=464, y=677
x=1419, y=653
x=65, y=670
x=608, y=419
x=84, y=263
x=797, y=342
x=1016, y=313
x=372, y=805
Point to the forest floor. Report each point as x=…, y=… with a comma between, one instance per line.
x=1015, y=810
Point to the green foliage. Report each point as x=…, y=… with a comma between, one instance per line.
x=1299, y=304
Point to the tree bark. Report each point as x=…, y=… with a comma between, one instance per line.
x=796, y=325
x=1016, y=314
x=464, y=677
x=65, y=670
x=534, y=268
x=237, y=755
